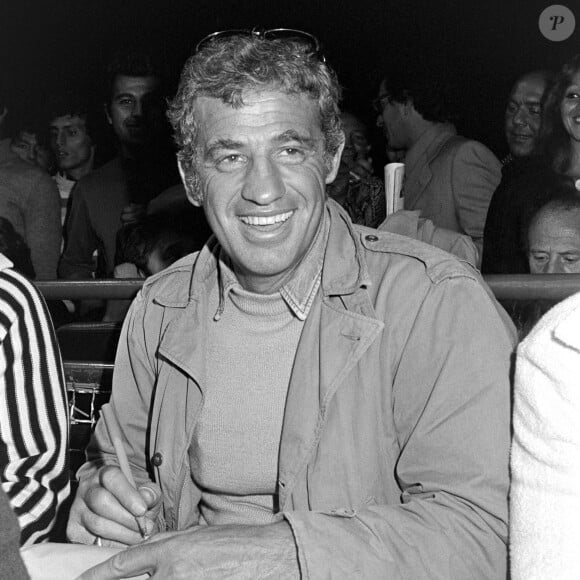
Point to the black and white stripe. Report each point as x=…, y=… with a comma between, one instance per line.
x=33, y=409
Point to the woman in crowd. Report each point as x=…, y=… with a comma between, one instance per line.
x=560, y=132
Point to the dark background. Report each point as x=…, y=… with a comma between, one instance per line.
x=46, y=45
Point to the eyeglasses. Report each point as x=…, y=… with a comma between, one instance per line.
x=271, y=34
x=380, y=102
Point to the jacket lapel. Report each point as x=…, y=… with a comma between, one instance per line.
x=340, y=328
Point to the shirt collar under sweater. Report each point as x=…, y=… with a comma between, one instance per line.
x=299, y=291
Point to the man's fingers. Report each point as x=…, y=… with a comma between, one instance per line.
x=113, y=480
x=110, y=529
x=151, y=493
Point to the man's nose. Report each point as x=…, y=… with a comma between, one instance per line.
x=554, y=266
x=137, y=108
x=521, y=117
x=380, y=122
x=263, y=183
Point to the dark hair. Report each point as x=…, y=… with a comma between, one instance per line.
x=135, y=63
x=227, y=67
x=426, y=85
x=173, y=236
x=74, y=105
x=554, y=140
x=13, y=246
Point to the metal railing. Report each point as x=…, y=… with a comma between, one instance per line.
x=505, y=287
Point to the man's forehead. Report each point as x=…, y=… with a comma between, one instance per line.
x=270, y=111
x=67, y=121
x=559, y=222
x=529, y=89
x=26, y=137
x=134, y=85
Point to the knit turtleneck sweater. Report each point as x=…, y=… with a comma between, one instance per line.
x=234, y=451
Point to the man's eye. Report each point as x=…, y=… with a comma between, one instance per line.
x=571, y=259
x=536, y=110
x=539, y=257
x=511, y=108
x=573, y=95
x=292, y=155
x=229, y=162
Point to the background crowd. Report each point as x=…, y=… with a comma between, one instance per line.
x=93, y=192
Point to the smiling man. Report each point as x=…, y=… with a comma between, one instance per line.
x=303, y=397
x=502, y=252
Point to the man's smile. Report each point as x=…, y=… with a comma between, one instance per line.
x=269, y=220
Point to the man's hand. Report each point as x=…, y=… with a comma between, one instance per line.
x=216, y=552
x=107, y=505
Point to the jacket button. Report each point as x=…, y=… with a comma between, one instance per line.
x=371, y=238
x=157, y=459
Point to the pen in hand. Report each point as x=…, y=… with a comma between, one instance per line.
x=116, y=438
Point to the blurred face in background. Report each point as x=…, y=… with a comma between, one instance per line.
x=554, y=242
x=356, y=145
x=24, y=145
x=570, y=108
x=27, y=146
x=523, y=115
x=391, y=119
x=136, y=110
x=71, y=145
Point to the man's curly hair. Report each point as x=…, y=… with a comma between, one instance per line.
x=227, y=68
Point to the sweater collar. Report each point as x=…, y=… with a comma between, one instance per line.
x=298, y=291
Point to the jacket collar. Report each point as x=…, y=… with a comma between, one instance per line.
x=343, y=273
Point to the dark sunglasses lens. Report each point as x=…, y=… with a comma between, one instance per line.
x=272, y=34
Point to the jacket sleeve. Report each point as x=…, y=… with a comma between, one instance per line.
x=476, y=173
x=43, y=227
x=451, y=409
x=34, y=466
x=545, y=460
x=81, y=242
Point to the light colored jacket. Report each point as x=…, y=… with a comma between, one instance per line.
x=394, y=452
x=451, y=179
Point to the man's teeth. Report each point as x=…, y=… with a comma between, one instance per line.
x=253, y=220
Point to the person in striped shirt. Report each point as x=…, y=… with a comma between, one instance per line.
x=34, y=470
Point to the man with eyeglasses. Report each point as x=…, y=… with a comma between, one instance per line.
x=303, y=397
x=449, y=178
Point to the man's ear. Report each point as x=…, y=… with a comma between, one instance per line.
x=107, y=113
x=333, y=162
x=191, y=184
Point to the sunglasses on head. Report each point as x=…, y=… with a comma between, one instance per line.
x=271, y=34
